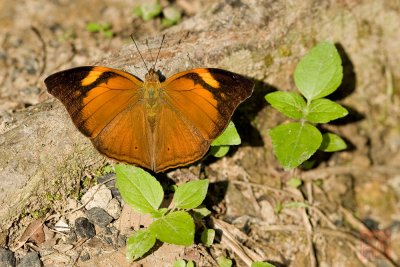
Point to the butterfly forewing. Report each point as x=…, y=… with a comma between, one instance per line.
x=104, y=105
x=207, y=98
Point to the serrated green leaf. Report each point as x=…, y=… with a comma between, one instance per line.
x=224, y=262
x=207, y=237
x=296, y=205
x=139, y=243
x=294, y=182
x=332, y=142
x=219, y=151
x=229, y=137
x=174, y=228
x=294, y=143
x=320, y=72
x=290, y=104
x=324, y=110
x=261, y=264
x=180, y=263
x=191, y=194
x=150, y=10
x=138, y=188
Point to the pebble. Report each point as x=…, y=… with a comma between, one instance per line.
x=97, y=196
x=110, y=178
x=62, y=226
x=113, y=208
x=7, y=258
x=84, y=228
x=99, y=216
x=30, y=260
x=85, y=257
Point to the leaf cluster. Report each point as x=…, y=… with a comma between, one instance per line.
x=317, y=75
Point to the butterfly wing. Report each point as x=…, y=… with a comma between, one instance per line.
x=198, y=107
x=106, y=105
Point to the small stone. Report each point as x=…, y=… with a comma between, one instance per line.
x=85, y=257
x=109, y=180
x=7, y=258
x=84, y=228
x=30, y=260
x=97, y=196
x=121, y=241
x=99, y=216
x=62, y=226
x=113, y=208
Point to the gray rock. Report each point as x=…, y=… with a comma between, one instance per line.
x=99, y=216
x=30, y=260
x=7, y=258
x=84, y=228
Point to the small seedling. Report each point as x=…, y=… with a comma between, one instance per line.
x=170, y=15
x=104, y=28
x=174, y=225
x=183, y=263
x=317, y=75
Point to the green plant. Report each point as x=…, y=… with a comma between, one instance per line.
x=147, y=11
x=317, y=75
x=104, y=28
x=144, y=194
x=183, y=263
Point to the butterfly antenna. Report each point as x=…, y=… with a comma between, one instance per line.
x=162, y=41
x=144, y=62
x=148, y=48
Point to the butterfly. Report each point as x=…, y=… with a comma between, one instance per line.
x=153, y=123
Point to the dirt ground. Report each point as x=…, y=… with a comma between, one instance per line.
x=353, y=216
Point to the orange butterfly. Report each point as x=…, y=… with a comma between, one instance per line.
x=153, y=124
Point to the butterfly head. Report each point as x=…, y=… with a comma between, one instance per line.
x=153, y=76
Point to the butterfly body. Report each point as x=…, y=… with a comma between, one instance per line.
x=152, y=123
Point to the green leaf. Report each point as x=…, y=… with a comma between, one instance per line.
x=207, y=237
x=201, y=212
x=294, y=143
x=159, y=213
x=150, y=10
x=320, y=72
x=219, y=151
x=229, y=137
x=180, y=263
x=294, y=182
x=108, y=33
x=172, y=16
x=139, y=243
x=296, y=205
x=174, y=228
x=190, y=264
x=332, y=142
x=278, y=207
x=324, y=110
x=224, y=262
x=191, y=194
x=93, y=27
x=137, y=11
x=261, y=264
x=290, y=104
x=138, y=188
